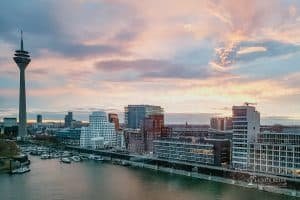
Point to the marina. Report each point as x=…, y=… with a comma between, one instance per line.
x=73, y=155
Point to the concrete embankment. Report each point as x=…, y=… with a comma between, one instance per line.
x=163, y=165
x=272, y=189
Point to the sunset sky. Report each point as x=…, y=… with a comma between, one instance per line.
x=189, y=56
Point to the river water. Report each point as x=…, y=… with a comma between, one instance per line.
x=50, y=179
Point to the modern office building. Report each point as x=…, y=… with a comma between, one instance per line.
x=100, y=132
x=120, y=139
x=69, y=119
x=185, y=151
x=9, y=121
x=275, y=153
x=10, y=127
x=134, y=114
x=113, y=118
x=39, y=119
x=221, y=123
x=134, y=140
x=194, y=150
x=69, y=136
x=22, y=59
x=246, y=126
x=194, y=130
x=152, y=129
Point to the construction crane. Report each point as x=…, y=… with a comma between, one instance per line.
x=248, y=103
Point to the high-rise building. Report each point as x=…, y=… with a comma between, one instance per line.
x=69, y=119
x=246, y=126
x=152, y=129
x=22, y=59
x=113, y=118
x=135, y=114
x=221, y=123
x=39, y=119
x=99, y=133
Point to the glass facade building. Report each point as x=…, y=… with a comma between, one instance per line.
x=185, y=151
x=275, y=153
x=135, y=114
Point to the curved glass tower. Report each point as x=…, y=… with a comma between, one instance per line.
x=22, y=59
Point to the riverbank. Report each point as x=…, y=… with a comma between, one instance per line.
x=265, y=188
x=50, y=179
x=186, y=169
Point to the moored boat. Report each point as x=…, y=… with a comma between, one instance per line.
x=96, y=158
x=20, y=170
x=76, y=158
x=66, y=160
x=45, y=156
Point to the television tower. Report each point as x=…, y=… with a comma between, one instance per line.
x=22, y=59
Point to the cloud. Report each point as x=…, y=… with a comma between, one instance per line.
x=45, y=28
x=148, y=68
x=188, y=56
x=247, y=50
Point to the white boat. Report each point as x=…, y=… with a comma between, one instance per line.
x=96, y=158
x=20, y=170
x=45, y=156
x=66, y=160
x=66, y=154
x=56, y=155
x=76, y=158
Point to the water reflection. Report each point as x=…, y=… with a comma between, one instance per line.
x=50, y=179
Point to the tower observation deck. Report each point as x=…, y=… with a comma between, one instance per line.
x=22, y=59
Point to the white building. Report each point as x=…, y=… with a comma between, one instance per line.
x=246, y=126
x=99, y=133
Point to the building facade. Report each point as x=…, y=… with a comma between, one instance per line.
x=184, y=151
x=113, y=118
x=246, y=126
x=221, y=123
x=275, y=153
x=10, y=127
x=134, y=141
x=69, y=119
x=135, y=114
x=100, y=132
x=152, y=129
x=69, y=136
x=39, y=119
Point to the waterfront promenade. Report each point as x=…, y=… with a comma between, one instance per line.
x=207, y=172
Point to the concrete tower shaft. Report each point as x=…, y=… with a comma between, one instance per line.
x=22, y=59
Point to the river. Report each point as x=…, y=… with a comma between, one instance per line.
x=88, y=180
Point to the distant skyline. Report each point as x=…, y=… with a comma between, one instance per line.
x=196, y=57
x=170, y=118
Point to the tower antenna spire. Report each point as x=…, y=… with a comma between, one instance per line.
x=22, y=49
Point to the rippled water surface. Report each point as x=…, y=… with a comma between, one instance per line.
x=88, y=180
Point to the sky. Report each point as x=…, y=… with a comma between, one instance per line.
x=195, y=58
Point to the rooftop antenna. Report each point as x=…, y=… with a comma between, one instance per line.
x=22, y=49
x=249, y=103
